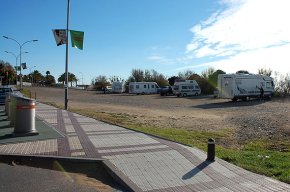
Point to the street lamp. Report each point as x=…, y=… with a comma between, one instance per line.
x=16, y=57
x=82, y=78
x=20, y=48
x=31, y=79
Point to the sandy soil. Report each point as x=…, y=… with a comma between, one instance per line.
x=249, y=120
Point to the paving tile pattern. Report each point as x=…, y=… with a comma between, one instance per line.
x=145, y=163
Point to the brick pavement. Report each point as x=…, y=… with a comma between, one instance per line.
x=143, y=162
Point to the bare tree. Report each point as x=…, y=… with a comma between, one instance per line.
x=147, y=76
x=186, y=74
x=263, y=71
x=138, y=75
x=208, y=72
x=282, y=83
x=101, y=82
x=115, y=78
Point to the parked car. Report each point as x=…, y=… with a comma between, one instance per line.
x=3, y=91
x=166, y=90
x=107, y=89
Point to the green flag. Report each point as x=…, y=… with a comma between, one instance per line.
x=17, y=68
x=77, y=39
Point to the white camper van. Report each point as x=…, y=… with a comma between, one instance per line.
x=244, y=86
x=186, y=88
x=118, y=87
x=143, y=87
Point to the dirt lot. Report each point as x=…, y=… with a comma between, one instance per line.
x=248, y=120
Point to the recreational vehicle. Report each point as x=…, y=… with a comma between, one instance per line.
x=186, y=88
x=143, y=87
x=118, y=87
x=244, y=86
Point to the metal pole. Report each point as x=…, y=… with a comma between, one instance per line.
x=66, y=58
x=31, y=76
x=82, y=78
x=16, y=70
x=20, y=74
x=20, y=68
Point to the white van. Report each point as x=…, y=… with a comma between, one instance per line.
x=186, y=88
x=244, y=86
x=143, y=87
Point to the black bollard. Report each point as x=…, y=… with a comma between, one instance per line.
x=210, y=150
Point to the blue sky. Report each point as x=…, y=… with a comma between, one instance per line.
x=169, y=36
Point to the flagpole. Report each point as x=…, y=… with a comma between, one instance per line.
x=66, y=58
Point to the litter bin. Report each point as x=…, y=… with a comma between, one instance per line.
x=7, y=103
x=25, y=117
x=12, y=109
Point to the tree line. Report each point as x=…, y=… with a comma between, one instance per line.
x=9, y=76
x=207, y=80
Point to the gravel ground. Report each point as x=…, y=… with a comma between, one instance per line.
x=249, y=120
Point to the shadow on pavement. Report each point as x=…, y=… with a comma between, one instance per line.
x=85, y=173
x=196, y=170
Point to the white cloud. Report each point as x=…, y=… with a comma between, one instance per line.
x=274, y=58
x=160, y=59
x=155, y=58
x=247, y=34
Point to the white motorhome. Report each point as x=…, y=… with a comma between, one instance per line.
x=186, y=88
x=143, y=87
x=118, y=87
x=244, y=86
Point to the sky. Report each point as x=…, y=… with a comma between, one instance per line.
x=169, y=36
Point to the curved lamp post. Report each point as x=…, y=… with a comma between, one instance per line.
x=16, y=57
x=20, y=48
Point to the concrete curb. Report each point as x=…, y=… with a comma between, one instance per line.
x=110, y=169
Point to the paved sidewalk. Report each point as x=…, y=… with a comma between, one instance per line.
x=143, y=162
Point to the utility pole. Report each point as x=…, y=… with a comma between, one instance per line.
x=66, y=58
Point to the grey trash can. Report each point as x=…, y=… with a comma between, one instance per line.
x=7, y=103
x=25, y=117
x=12, y=109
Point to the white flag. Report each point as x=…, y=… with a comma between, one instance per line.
x=60, y=36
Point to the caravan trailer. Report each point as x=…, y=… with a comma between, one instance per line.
x=118, y=87
x=143, y=87
x=186, y=88
x=244, y=86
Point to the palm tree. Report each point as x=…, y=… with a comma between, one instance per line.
x=71, y=78
x=37, y=77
